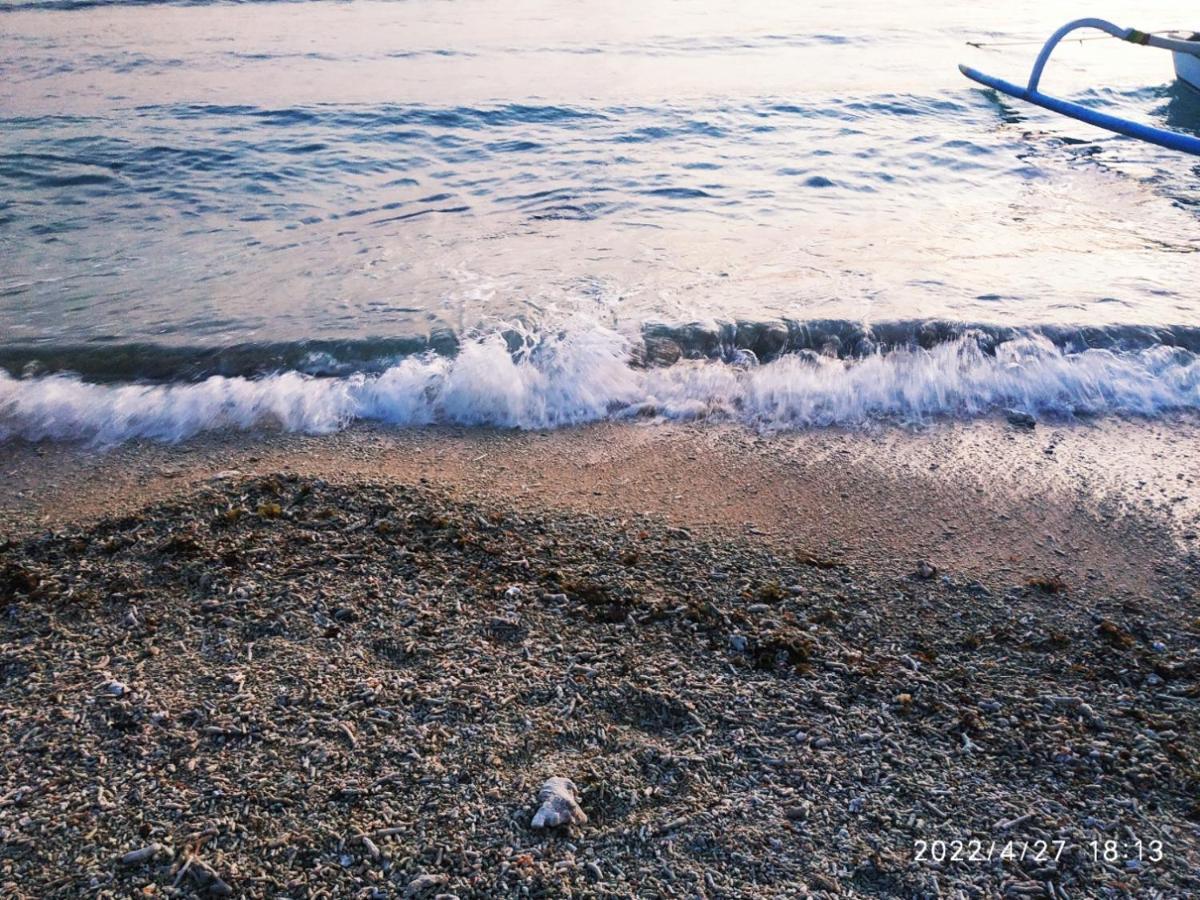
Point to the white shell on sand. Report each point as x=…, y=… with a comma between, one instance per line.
x=559, y=805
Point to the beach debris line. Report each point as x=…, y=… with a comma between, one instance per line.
x=559, y=805
x=347, y=700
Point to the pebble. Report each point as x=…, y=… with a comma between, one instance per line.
x=207, y=877
x=423, y=884
x=142, y=854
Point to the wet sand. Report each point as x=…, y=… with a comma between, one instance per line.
x=1111, y=503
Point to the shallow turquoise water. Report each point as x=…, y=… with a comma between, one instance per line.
x=248, y=188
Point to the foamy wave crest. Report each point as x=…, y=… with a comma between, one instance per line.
x=585, y=375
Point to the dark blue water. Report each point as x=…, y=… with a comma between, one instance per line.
x=246, y=189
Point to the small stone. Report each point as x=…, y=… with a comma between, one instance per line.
x=925, y=571
x=423, y=884
x=142, y=855
x=559, y=805
x=115, y=688
x=1019, y=419
x=738, y=643
x=206, y=876
x=513, y=592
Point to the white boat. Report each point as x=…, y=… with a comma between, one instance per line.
x=1184, y=47
x=1187, y=65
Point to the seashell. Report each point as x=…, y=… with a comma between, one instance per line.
x=559, y=805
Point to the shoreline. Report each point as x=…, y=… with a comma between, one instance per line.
x=1112, y=502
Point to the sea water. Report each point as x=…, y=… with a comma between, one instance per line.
x=541, y=213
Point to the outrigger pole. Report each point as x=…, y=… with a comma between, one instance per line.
x=1163, y=137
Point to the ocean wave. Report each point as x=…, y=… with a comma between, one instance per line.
x=575, y=376
x=655, y=344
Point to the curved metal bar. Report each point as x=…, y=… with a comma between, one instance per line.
x=1044, y=56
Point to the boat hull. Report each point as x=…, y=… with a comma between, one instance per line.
x=1187, y=69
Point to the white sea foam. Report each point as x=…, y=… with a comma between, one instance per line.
x=584, y=375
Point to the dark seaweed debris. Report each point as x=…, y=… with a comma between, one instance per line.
x=278, y=686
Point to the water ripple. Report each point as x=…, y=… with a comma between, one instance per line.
x=266, y=171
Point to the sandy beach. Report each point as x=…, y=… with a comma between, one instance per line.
x=540, y=449
x=791, y=665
